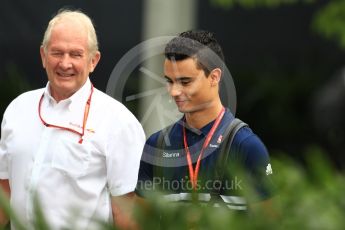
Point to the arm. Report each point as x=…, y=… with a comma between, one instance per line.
x=5, y=186
x=259, y=170
x=122, y=209
x=124, y=147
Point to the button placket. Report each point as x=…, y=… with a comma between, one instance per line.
x=36, y=169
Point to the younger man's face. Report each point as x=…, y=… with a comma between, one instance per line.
x=188, y=85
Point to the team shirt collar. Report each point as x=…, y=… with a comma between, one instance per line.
x=206, y=129
x=73, y=102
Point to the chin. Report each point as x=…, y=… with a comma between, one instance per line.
x=185, y=110
x=194, y=108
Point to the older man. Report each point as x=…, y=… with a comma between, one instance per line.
x=73, y=146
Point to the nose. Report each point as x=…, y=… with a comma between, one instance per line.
x=174, y=90
x=65, y=62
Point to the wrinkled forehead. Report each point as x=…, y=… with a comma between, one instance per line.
x=69, y=32
x=70, y=24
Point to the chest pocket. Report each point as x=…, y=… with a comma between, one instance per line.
x=71, y=157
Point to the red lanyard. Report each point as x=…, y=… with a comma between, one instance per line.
x=86, y=114
x=193, y=174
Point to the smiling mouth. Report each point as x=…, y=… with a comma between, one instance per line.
x=65, y=75
x=180, y=102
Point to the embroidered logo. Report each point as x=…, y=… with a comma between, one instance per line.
x=90, y=130
x=170, y=155
x=269, y=169
x=75, y=125
x=78, y=126
x=220, y=139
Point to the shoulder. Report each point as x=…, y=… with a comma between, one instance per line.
x=115, y=121
x=25, y=101
x=152, y=140
x=248, y=143
x=104, y=101
x=29, y=96
x=111, y=108
x=246, y=138
x=172, y=130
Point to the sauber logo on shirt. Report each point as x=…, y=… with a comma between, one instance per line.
x=169, y=155
x=78, y=126
x=269, y=170
x=220, y=139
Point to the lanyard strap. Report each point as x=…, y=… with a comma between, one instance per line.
x=193, y=174
x=86, y=114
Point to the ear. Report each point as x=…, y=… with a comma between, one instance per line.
x=94, y=61
x=43, y=56
x=215, y=76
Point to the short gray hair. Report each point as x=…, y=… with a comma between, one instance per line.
x=75, y=15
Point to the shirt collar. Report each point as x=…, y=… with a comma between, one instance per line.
x=203, y=131
x=76, y=100
x=206, y=129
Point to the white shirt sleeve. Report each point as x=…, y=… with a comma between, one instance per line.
x=124, y=150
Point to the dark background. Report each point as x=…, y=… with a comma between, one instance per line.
x=288, y=78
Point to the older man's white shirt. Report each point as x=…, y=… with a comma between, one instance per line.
x=69, y=177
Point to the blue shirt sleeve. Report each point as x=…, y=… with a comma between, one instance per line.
x=256, y=162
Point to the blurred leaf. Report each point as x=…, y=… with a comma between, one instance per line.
x=329, y=21
x=5, y=206
x=12, y=84
x=308, y=197
x=256, y=3
x=40, y=221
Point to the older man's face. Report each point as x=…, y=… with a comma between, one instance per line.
x=67, y=59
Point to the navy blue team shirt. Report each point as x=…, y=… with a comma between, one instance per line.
x=247, y=152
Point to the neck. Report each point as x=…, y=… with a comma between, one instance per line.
x=199, y=119
x=59, y=97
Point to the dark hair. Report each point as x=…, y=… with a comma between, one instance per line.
x=198, y=44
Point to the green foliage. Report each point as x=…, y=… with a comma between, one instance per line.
x=40, y=221
x=5, y=206
x=249, y=4
x=330, y=22
x=307, y=197
x=310, y=198
x=12, y=84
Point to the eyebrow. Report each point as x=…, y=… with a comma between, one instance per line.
x=178, y=78
x=71, y=50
